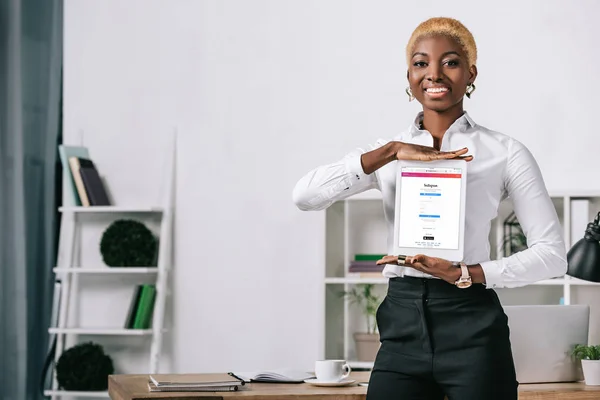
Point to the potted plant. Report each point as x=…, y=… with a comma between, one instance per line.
x=590, y=362
x=367, y=343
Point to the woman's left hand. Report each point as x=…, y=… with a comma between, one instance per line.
x=435, y=266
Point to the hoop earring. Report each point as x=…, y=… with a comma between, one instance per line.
x=409, y=92
x=470, y=89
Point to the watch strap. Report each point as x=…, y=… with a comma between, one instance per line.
x=464, y=270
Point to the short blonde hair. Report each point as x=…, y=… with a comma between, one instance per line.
x=446, y=27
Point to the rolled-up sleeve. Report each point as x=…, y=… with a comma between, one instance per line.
x=545, y=256
x=326, y=184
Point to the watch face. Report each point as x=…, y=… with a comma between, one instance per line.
x=463, y=284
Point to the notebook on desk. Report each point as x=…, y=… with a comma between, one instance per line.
x=275, y=376
x=153, y=388
x=194, y=383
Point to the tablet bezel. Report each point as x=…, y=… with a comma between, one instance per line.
x=448, y=254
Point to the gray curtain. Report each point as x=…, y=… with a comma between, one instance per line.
x=30, y=98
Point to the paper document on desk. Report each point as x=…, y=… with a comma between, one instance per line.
x=276, y=376
x=153, y=388
x=193, y=382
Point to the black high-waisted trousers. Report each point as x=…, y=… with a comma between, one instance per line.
x=437, y=339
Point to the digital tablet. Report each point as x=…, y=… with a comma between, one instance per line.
x=430, y=208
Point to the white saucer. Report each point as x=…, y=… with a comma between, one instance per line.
x=343, y=382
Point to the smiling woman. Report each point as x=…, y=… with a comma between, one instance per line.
x=441, y=56
x=443, y=330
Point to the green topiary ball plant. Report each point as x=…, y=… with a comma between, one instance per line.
x=84, y=367
x=128, y=243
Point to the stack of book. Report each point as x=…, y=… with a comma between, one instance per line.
x=364, y=265
x=86, y=186
x=194, y=383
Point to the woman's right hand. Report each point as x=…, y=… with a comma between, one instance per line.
x=373, y=160
x=410, y=151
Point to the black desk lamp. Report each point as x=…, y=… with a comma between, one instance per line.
x=584, y=257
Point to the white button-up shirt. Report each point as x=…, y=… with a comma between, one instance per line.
x=501, y=167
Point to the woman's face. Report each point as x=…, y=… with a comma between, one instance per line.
x=439, y=73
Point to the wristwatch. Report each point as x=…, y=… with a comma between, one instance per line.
x=465, y=279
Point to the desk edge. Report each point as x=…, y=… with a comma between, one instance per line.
x=115, y=389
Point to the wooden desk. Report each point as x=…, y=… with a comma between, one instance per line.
x=135, y=387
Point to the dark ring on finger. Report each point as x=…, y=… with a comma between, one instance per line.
x=401, y=260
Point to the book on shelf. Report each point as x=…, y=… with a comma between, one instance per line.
x=79, y=185
x=94, y=187
x=133, y=306
x=141, y=307
x=65, y=153
x=367, y=275
x=194, y=383
x=275, y=376
x=364, y=266
x=368, y=257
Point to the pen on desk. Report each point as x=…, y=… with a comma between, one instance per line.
x=237, y=377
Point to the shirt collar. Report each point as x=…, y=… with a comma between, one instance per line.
x=461, y=124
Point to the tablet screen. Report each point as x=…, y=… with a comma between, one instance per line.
x=430, y=207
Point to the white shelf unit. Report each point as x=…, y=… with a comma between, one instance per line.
x=101, y=331
x=111, y=209
x=70, y=269
x=106, y=270
x=357, y=225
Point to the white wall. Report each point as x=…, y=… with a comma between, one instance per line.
x=262, y=91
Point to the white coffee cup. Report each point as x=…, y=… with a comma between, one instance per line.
x=331, y=370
